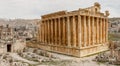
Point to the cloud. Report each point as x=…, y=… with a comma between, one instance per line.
x=36, y=8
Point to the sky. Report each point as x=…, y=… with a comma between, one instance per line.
x=33, y=9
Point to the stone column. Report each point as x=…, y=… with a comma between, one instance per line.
x=41, y=25
x=93, y=32
x=100, y=30
x=48, y=32
x=79, y=32
x=103, y=30
x=52, y=32
x=85, y=32
x=89, y=31
x=74, y=31
x=97, y=30
x=64, y=31
x=59, y=23
x=68, y=32
x=43, y=32
x=55, y=31
x=39, y=31
x=106, y=29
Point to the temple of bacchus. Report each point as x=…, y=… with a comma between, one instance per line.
x=77, y=33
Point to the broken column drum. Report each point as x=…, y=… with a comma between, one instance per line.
x=78, y=33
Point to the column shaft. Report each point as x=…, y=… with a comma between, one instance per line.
x=106, y=29
x=74, y=31
x=100, y=30
x=93, y=32
x=97, y=30
x=59, y=31
x=85, y=34
x=68, y=32
x=64, y=31
x=55, y=31
x=89, y=31
x=79, y=31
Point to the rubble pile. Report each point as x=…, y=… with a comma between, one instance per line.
x=112, y=56
x=37, y=55
x=7, y=60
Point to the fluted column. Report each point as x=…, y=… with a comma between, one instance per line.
x=68, y=32
x=79, y=31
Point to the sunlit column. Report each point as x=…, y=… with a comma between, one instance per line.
x=68, y=32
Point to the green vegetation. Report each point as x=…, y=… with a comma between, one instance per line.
x=114, y=36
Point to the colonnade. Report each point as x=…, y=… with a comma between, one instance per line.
x=74, y=31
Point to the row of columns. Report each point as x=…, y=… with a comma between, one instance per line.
x=74, y=31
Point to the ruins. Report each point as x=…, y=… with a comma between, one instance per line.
x=10, y=41
x=77, y=33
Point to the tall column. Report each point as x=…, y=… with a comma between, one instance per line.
x=64, y=31
x=103, y=30
x=97, y=30
x=52, y=32
x=89, y=31
x=43, y=32
x=79, y=32
x=39, y=31
x=55, y=31
x=59, y=31
x=106, y=29
x=85, y=32
x=100, y=30
x=68, y=32
x=93, y=32
x=74, y=31
x=48, y=32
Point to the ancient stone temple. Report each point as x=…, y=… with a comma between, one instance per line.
x=77, y=33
